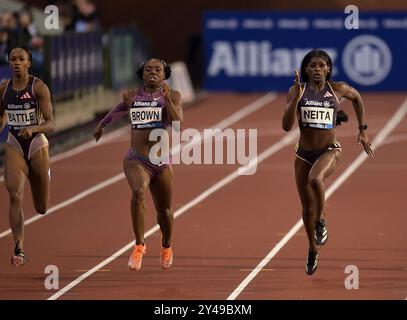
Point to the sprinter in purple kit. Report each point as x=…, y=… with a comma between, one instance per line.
x=152, y=106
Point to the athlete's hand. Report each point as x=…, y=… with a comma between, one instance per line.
x=26, y=133
x=128, y=97
x=166, y=90
x=297, y=85
x=364, y=140
x=97, y=133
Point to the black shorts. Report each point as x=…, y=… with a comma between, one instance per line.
x=311, y=156
x=27, y=147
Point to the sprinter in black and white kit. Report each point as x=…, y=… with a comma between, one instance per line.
x=26, y=108
x=315, y=104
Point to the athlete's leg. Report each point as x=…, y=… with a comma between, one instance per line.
x=15, y=176
x=138, y=180
x=161, y=191
x=322, y=169
x=40, y=180
x=302, y=170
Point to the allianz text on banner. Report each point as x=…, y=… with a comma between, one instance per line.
x=257, y=51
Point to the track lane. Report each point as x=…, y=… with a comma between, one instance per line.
x=359, y=235
x=84, y=223
x=210, y=268
x=202, y=270
x=79, y=171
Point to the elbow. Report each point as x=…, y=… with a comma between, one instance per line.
x=51, y=126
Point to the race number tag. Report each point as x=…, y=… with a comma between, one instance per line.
x=21, y=118
x=317, y=117
x=147, y=117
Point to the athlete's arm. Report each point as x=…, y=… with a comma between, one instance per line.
x=342, y=89
x=115, y=114
x=41, y=91
x=43, y=95
x=3, y=116
x=293, y=97
x=174, y=104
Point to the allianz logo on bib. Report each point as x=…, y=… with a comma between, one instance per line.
x=145, y=103
x=325, y=104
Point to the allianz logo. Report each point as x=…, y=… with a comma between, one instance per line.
x=367, y=60
x=325, y=103
x=256, y=59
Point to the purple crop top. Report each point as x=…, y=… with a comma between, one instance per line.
x=148, y=111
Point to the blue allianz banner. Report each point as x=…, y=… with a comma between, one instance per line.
x=258, y=51
x=5, y=73
x=127, y=51
x=75, y=63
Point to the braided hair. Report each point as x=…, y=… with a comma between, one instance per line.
x=307, y=59
x=167, y=69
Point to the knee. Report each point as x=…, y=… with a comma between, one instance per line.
x=138, y=194
x=315, y=181
x=16, y=197
x=41, y=209
x=166, y=212
x=41, y=204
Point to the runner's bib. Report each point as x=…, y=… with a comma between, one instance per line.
x=21, y=118
x=146, y=117
x=317, y=117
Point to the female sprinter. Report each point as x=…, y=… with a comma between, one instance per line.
x=315, y=104
x=26, y=107
x=153, y=105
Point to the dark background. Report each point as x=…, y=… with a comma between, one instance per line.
x=173, y=28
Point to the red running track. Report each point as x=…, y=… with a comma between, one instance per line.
x=221, y=239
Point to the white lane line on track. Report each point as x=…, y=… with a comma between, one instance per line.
x=395, y=138
x=74, y=199
x=378, y=140
x=91, y=144
x=86, y=146
x=245, y=111
x=285, y=141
